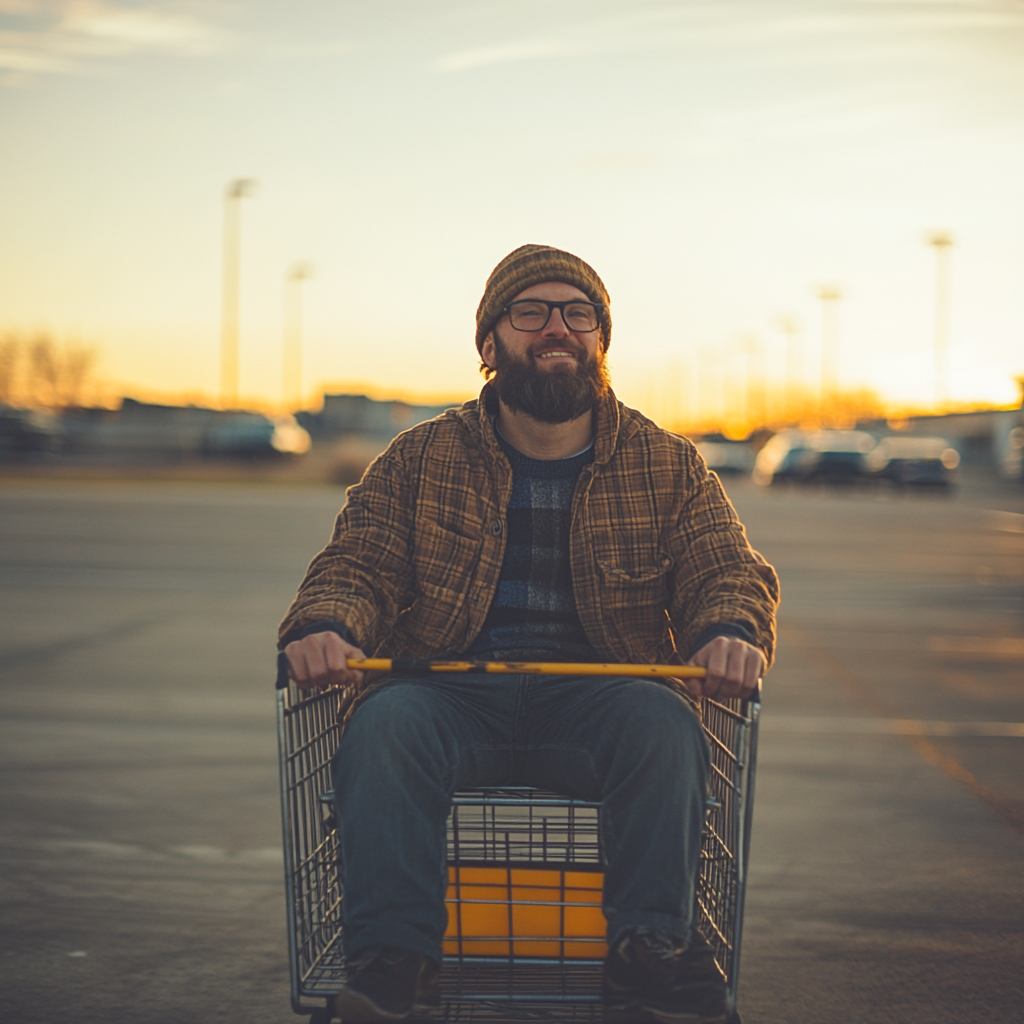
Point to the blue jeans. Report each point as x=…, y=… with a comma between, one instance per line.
x=631, y=743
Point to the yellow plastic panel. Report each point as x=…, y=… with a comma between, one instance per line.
x=487, y=927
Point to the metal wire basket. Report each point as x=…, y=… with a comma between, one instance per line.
x=525, y=938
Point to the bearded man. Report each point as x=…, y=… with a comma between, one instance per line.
x=544, y=521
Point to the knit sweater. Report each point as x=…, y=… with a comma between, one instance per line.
x=533, y=615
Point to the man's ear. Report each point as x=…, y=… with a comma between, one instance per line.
x=487, y=353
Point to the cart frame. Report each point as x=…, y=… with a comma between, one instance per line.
x=513, y=829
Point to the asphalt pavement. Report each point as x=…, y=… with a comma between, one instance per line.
x=139, y=814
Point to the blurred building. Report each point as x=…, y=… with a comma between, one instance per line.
x=990, y=437
x=144, y=430
x=356, y=425
x=365, y=417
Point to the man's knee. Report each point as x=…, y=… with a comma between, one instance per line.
x=658, y=724
x=398, y=720
x=654, y=705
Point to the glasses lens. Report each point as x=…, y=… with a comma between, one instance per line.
x=532, y=316
x=580, y=316
x=528, y=316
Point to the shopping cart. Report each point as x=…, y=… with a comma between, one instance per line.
x=525, y=937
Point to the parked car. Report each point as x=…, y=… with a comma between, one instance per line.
x=823, y=456
x=24, y=433
x=726, y=456
x=1012, y=459
x=913, y=461
x=777, y=462
x=253, y=435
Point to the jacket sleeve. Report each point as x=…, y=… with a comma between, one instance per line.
x=363, y=578
x=717, y=577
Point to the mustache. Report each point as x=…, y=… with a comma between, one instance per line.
x=551, y=396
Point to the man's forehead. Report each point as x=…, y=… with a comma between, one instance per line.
x=556, y=291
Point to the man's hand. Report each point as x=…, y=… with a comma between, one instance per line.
x=733, y=665
x=319, y=660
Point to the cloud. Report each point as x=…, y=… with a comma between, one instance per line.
x=745, y=22
x=486, y=55
x=131, y=30
x=84, y=36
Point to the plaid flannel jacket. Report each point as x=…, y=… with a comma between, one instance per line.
x=658, y=554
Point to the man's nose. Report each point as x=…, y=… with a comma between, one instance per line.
x=556, y=326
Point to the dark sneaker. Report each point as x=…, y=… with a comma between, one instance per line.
x=385, y=984
x=649, y=976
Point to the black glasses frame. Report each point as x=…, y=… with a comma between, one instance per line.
x=560, y=306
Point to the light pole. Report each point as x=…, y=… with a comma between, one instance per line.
x=713, y=409
x=236, y=190
x=942, y=243
x=291, y=368
x=750, y=348
x=790, y=327
x=830, y=294
x=674, y=398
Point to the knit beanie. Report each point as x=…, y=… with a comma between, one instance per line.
x=533, y=264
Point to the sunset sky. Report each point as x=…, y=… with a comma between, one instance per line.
x=715, y=160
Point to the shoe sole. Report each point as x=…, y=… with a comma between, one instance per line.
x=361, y=1009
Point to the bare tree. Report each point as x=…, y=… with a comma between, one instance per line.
x=10, y=356
x=43, y=372
x=78, y=365
x=58, y=374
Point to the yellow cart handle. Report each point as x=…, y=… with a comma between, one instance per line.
x=544, y=668
x=540, y=668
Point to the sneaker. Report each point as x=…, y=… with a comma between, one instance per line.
x=386, y=984
x=650, y=976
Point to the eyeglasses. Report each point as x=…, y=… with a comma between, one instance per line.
x=533, y=314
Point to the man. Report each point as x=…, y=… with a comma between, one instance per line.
x=544, y=521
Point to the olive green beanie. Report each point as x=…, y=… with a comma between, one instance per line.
x=533, y=264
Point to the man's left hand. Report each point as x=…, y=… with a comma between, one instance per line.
x=733, y=667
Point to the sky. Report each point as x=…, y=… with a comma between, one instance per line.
x=716, y=161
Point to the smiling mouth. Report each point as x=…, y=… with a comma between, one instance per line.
x=556, y=353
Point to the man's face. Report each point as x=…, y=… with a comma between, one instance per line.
x=553, y=374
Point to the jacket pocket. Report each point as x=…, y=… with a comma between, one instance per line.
x=635, y=593
x=634, y=597
x=444, y=562
x=625, y=572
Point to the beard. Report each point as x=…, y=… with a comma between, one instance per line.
x=550, y=396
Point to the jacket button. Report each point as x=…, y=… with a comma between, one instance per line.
x=496, y=527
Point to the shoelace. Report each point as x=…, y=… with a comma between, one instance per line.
x=660, y=944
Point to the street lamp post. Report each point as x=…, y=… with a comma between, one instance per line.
x=236, y=190
x=790, y=327
x=942, y=243
x=750, y=348
x=712, y=382
x=291, y=369
x=830, y=294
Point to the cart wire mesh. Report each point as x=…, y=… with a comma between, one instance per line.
x=525, y=937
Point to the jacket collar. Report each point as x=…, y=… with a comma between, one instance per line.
x=485, y=408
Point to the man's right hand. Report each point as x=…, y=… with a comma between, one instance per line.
x=319, y=660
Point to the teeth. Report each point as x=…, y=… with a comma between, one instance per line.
x=551, y=355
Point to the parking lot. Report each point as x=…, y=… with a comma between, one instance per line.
x=139, y=816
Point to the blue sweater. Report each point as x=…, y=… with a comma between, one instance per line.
x=533, y=615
